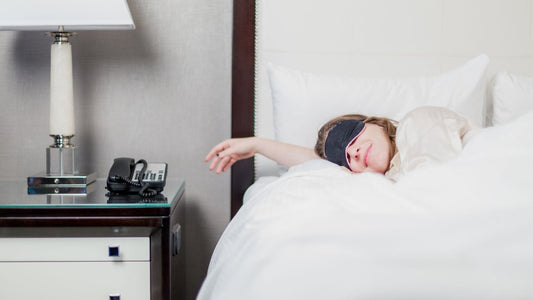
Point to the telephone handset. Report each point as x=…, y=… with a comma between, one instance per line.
x=129, y=177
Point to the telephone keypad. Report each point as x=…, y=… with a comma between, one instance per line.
x=154, y=172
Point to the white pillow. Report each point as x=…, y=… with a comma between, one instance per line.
x=302, y=102
x=512, y=96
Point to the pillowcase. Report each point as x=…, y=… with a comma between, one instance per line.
x=302, y=101
x=512, y=96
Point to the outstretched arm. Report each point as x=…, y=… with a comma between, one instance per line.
x=228, y=152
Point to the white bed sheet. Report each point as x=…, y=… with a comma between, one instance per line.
x=457, y=230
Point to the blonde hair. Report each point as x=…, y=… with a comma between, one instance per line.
x=388, y=126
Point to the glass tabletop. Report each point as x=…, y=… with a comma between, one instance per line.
x=15, y=193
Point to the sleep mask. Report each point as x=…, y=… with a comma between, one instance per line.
x=339, y=137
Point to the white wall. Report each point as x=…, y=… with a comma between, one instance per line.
x=160, y=92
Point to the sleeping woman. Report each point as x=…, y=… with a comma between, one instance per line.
x=363, y=144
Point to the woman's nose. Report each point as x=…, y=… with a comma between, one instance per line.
x=354, y=152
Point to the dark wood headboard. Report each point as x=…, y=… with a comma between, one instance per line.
x=242, y=94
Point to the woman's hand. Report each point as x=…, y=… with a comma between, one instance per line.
x=228, y=152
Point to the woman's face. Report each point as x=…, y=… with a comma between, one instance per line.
x=370, y=151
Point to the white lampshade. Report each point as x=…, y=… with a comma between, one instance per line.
x=74, y=15
x=64, y=16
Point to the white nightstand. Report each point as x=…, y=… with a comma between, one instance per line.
x=90, y=247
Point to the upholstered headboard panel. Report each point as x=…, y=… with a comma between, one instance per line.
x=382, y=38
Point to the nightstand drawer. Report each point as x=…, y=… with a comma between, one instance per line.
x=75, y=280
x=75, y=249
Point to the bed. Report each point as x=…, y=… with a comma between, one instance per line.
x=459, y=229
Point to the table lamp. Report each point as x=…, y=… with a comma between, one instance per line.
x=61, y=19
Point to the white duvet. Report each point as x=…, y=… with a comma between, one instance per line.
x=456, y=230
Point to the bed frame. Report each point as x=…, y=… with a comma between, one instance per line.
x=242, y=94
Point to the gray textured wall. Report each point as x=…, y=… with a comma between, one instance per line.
x=160, y=92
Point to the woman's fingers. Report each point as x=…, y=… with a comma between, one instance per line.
x=213, y=164
x=216, y=160
x=231, y=162
x=216, y=150
x=211, y=153
x=220, y=161
x=224, y=164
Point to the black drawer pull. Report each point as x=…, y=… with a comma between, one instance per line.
x=114, y=297
x=114, y=251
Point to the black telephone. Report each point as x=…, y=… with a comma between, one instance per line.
x=129, y=177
